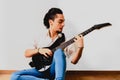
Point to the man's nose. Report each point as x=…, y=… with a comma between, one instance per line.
x=63, y=24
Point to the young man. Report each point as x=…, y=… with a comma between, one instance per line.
x=54, y=22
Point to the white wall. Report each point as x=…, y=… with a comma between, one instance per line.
x=21, y=23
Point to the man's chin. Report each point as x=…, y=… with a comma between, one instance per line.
x=59, y=31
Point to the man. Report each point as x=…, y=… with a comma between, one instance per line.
x=54, y=22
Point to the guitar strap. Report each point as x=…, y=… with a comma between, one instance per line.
x=60, y=40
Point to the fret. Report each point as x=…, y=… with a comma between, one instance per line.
x=87, y=31
x=65, y=44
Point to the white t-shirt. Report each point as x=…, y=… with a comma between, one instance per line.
x=46, y=41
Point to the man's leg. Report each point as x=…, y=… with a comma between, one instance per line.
x=60, y=64
x=28, y=74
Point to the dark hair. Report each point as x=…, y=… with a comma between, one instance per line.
x=51, y=15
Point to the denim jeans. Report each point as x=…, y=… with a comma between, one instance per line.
x=56, y=70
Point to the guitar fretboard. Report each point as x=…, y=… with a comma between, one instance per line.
x=67, y=43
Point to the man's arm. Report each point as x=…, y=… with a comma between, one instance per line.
x=76, y=56
x=78, y=53
x=30, y=52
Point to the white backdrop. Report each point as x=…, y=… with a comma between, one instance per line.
x=21, y=21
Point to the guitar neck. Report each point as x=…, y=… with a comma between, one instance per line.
x=87, y=31
x=67, y=43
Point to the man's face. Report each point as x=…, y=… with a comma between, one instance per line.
x=58, y=23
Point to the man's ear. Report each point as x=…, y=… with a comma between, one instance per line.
x=50, y=22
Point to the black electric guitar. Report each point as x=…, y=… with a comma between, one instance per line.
x=40, y=61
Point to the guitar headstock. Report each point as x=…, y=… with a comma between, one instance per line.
x=99, y=26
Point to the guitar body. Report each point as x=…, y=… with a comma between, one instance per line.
x=40, y=61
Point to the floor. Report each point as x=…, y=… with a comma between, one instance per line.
x=77, y=75
x=4, y=76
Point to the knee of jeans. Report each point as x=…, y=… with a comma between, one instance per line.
x=59, y=52
x=14, y=76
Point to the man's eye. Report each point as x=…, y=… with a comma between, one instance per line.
x=60, y=22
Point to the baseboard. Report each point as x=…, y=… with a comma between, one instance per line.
x=77, y=75
x=96, y=72
x=92, y=75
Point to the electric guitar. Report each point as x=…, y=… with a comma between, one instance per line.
x=40, y=61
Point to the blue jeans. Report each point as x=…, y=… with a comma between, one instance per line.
x=55, y=71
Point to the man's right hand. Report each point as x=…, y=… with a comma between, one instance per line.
x=45, y=51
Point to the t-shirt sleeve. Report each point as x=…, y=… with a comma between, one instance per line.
x=70, y=50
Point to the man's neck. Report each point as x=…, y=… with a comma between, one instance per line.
x=52, y=34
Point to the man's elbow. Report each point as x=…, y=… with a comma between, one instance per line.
x=26, y=54
x=74, y=61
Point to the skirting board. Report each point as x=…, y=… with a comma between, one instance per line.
x=73, y=72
